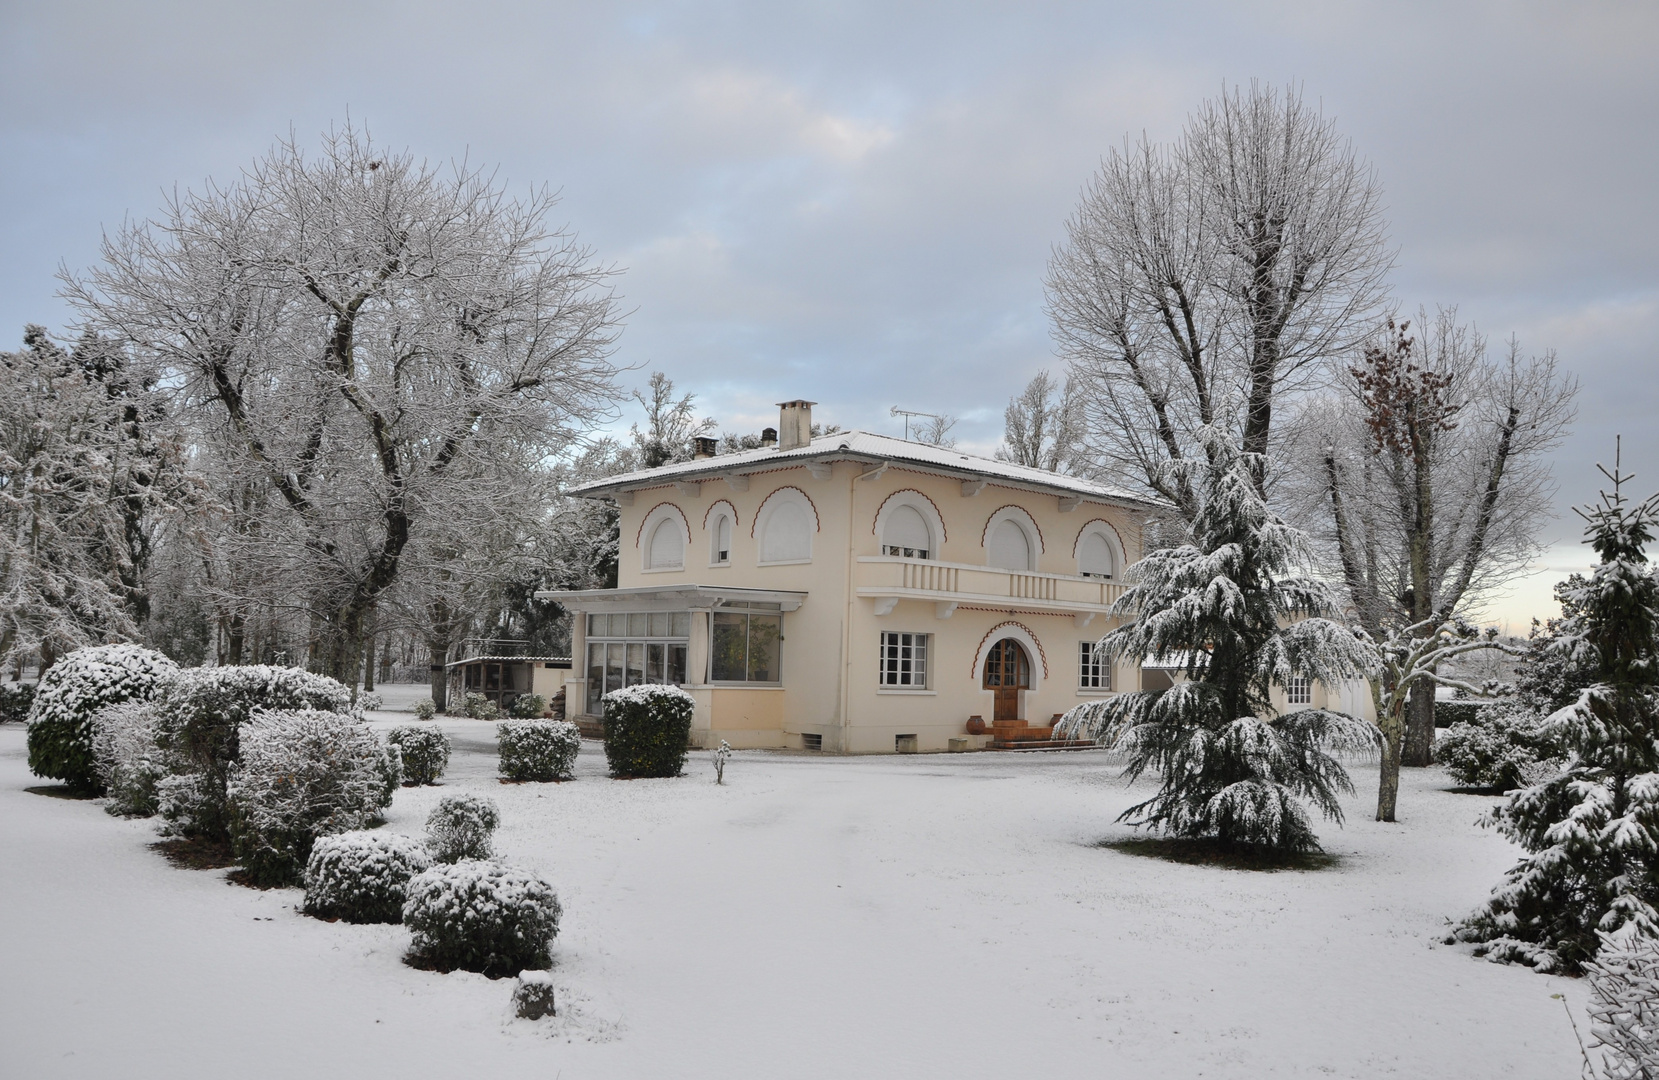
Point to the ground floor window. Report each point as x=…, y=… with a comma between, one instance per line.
x=744, y=645
x=904, y=660
x=645, y=647
x=1299, y=690
x=1094, y=669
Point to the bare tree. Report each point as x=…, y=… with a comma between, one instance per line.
x=350, y=331
x=1201, y=282
x=935, y=431
x=1043, y=426
x=670, y=424
x=1433, y=475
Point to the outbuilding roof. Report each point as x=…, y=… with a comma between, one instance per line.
x=867, y=448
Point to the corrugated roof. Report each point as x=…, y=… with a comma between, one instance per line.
x=867, y=447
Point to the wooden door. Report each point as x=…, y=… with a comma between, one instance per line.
x=1007, y=672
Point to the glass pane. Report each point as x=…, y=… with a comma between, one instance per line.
x=653, y=664
x=728, y=652
x=636, y=663
x=681, y=624
x=636, y=624
x=596, y=625
x=613, y=666
x=596, y=677
x=676, y=665
x=659, y=624
x=763, y=647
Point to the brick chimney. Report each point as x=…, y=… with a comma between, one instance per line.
x=702, y=447
x=794, y=423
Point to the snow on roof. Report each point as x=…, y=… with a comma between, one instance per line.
x=863, y=446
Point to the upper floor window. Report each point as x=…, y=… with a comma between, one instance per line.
x=721, y=540
x=905, y=534
x=667, y=547
x=1010, y=547
x=1095, y=557
x=785, y=526
x=1299, y=690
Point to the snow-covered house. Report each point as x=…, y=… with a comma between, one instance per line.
x=858, y=593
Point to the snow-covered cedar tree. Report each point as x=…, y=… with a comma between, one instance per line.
x=425, y=752
x=647, y=730
x=1591, y=832
x=1506, y=746
x=362, y=876
x=72, y=691
x=303, y=773
x=528, y=706
x=1624, y=1006
x=425, y=710
x=533, y=996
x=128, y=761
x=202, y=711
x=15, y=699
x=1232, y=608
x=481, y=916
x=721, y=754
x=538, y=749
x=460, y=827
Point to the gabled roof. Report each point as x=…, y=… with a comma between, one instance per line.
x=866, y=448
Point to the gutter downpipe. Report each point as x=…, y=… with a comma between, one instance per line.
x=847, y=620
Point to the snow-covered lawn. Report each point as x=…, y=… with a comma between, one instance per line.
x=934, y=916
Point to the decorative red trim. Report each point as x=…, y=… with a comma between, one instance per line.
x=640, y=532
x=877, y=519
x=980, y=651
x=985, y=533
x=710, y=510
x=1123, y=550
x=816, y=525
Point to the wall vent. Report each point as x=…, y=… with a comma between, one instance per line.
x=812, y=742
x=904, y=744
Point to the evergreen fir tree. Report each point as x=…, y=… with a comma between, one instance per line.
x=1592, y=832
x=1235, y=608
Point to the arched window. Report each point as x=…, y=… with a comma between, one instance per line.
x=721, y=537
x=905, y=534
x=1010, y=548
x=667, y=550
x=786, y=535
x=1095, y=557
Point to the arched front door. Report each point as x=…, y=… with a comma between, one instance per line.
x=1007, y=672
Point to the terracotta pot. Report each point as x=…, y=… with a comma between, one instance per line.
x=976, y=725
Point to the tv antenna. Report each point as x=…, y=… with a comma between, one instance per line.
x=907, y=414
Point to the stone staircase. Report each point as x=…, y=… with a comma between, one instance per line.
x=1021, y=735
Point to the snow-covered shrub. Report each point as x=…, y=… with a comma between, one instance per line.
x=370, y=702
x=533, y=996
x=1624, y=1006
x=479, y=707
x=303, y=773
x=202, y=711
x=425, y=752
x=1504, y=747
x=647, y=730
x=15, y=698
x=425, y=710
x=362, y=876
x=1460, y=711
x=481, y=916
x=72, y=691
x=538, y=749
x=528, y=706
x=460, y=827
x=128, y=761
x=721, y=754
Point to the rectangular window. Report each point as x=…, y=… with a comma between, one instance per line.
x=904, y=660
x=1094, y=670
x=743, y=647
x=633, y=647
x=1299, y=690
x=904, y=552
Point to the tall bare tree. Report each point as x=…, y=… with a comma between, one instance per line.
x=363, y=334
x=1043, y=426
x=1202, y=281
x=670, y=423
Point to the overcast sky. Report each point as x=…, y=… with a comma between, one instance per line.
x=854, y=203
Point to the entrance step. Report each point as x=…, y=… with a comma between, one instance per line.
x=1042, y=744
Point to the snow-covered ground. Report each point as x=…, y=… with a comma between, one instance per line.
x=935, y=916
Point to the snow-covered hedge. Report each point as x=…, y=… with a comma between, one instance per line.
x=481, y=916
x=362, y=876
x=303, y=773
x=202, y=711
x=1503, y=747
x=538, y=749
x=1624, y=1006
x=128, y=761
x=460, y=827
x=647, y=730
x=15, y=699
x=72, y=691
x=425, y=752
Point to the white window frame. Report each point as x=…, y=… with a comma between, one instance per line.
x=763, y=519
x=1094, y=669
x=714, y=539
x=931, y=520
x=648, y=529
x=1299, y=690
x=1103, y=530
x=1022, y=519
x=910, y=659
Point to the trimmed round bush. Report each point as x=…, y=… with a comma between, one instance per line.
x=304, y=774
x=15, y=699
x=425, y=752
x=460, y=827
x=538, y=749
x=481, y=916
x=72, y=691
x=425, y=710
x=362, y=876
x=528, y=706
x=128, y=761
x=647, y=730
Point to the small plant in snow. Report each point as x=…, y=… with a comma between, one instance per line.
x=425, y=752
x=362, y=876
x=647, y=728
x=533, y=996
x=480, y=707
x=1624, y=1006
x=128, y=761
x=721, y=753
x=71, y=693
x=481, y=916
x=425, y=710
x=460, y=827
x=303, y=774
x=370, y=702
x=538, y=749
x=529, y=706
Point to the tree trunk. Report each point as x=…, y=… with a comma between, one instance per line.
x=438, y=649
x=368, y=651
x=1419, y=739
x=1388, y=782
x=235, y=636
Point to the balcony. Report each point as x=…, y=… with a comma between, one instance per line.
x=888, y=579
